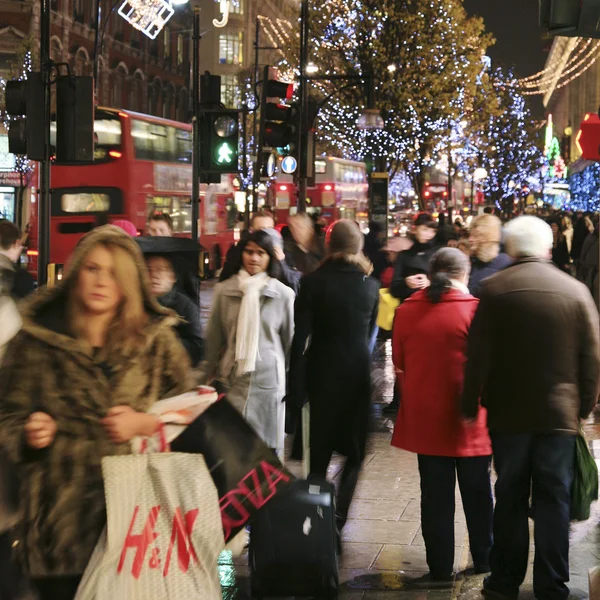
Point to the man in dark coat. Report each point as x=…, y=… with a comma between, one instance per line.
x=534, y=360
x=11, y=248
x=484, y=240
x=336, y=311
x=412, y=265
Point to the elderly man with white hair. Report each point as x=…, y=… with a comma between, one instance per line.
x=534, y=360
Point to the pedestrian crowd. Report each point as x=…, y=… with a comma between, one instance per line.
x=496, y=351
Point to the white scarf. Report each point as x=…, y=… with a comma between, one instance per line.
x=459, y=285
x=248, y=325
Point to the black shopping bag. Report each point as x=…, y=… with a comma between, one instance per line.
x=247, y=474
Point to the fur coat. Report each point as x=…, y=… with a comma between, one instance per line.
x=46, y=369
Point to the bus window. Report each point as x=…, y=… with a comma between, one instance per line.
x=161, y=143
x=320, y=167
x=179, y=208
x=107, y=134
x=82, y=202
x=183, y=145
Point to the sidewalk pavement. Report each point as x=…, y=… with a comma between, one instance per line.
x=383, y=545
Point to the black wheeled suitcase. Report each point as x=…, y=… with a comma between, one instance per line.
x=293, y=540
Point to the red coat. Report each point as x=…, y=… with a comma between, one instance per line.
x=429, y=345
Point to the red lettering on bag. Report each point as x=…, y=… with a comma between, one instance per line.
x=141, y=542
x=182, y=535
x=234, y=513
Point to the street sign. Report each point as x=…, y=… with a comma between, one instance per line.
x=588, y=138
x=289, y=165
x=271, y=165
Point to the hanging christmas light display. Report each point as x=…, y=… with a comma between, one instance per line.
x=148, y=16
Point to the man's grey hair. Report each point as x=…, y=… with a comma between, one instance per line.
x=528, y=237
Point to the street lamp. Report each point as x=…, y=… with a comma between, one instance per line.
x=370, y=120
x=311, y=69
x=480, y=174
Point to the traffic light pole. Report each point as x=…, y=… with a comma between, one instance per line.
x=44, y=195
x=196, y=125
x=304, y=125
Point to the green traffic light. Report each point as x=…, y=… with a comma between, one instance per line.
x=224, y=154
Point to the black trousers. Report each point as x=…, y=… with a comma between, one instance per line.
x=57, y=588
x=320, y=457
x=438, y=484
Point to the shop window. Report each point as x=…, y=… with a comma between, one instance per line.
x=231, y=48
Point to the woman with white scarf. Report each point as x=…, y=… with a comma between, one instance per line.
x=249, y=336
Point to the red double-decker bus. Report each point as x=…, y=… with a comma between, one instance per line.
x=141, y=164
x=341, y=192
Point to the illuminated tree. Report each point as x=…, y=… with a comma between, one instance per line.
x=513, y=156
x=585, y=190
x=425, y=57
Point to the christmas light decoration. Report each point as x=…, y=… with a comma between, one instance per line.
x=585, y=190
x=148, y=16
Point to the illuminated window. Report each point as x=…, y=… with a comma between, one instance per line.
x=85, y=202
x=180, y=49
x=167, y=43
x=231, y=48
x=230, y=91
x=236, y=7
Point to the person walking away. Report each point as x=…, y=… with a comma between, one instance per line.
x=412, y=265
x=534, y=360
x=560, y=250
x=587, y=271
x=374, y=249
x=410, y=274
x=95, y=352
x=11, y=248
x=163, y=282
x=583, y=228
x=429, y=421
x=262, y=221
x=160, y=224
x=249, y=338
x=484, y=241
x=305, y=250
x=566, y=227
x=336, y=312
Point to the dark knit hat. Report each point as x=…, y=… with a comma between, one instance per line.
x=345, y=238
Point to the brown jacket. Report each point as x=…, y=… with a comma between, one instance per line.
x=534, y=351
x=47, y=369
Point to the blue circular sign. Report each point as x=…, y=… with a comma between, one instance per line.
x=289, y=165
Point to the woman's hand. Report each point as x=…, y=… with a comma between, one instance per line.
x=40, y=431
x=123, y=424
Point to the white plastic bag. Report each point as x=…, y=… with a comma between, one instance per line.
x=164, y=532
x=175, y=414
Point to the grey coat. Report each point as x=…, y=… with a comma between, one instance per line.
x=258, y=396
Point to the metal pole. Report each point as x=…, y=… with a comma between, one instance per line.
x=303, y=120
x=98, y=11
x=257, y=150
x=473, y=192
x=244, y=178
x=450, y=181
x=44, y=199
x=196, y=143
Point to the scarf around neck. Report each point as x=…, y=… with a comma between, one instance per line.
x=248, y=325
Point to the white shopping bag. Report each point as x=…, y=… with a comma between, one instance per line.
x=175, y=414
x=594, y=579
x=164, y=532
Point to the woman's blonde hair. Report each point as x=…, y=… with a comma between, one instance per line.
x=126, y=332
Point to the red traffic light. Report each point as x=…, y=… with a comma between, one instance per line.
x=280, y=89
x=588, y=138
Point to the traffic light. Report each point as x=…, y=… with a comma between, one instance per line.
x=74, y=119
x=219, y=131
x=588, y=138
x=278, y=120
x=25, y=100
x=224, y=141
x=571, y=18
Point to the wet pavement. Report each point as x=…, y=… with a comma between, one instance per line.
x=383, y=545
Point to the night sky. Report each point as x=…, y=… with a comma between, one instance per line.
x=520, y=41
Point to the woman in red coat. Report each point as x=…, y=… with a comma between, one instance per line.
x=429, y=346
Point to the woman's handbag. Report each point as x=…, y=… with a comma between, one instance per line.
x=585, y=481
x=387, y=309
x=163, y=535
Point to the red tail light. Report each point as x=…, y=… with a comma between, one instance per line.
x=115, y=154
